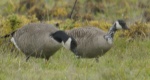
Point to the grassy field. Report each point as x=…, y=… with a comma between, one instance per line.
x=128, y=59
x=125, y=61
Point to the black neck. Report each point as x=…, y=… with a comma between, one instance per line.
x=111, y=32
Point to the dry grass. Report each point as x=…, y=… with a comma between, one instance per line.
x=125, y=61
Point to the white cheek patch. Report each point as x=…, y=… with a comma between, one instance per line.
x=118, y=26
x=67, y=44
x=13, y=41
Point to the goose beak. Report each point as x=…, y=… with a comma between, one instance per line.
x=127, y=28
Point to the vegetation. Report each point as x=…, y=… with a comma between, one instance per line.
x=127, y=60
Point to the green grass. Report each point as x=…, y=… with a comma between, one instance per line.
x=125, y=61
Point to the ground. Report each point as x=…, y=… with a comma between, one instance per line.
x=128, y=59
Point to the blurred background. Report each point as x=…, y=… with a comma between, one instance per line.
x=98, y=13
x=129, y=58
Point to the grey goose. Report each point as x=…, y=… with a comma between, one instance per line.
x=93, y=42
x=41, y=40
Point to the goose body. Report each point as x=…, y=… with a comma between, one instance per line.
x=93, y=42
x=90, y=41
x=35, y=39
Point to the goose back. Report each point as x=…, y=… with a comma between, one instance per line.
x=34, y=40
x=90, y=41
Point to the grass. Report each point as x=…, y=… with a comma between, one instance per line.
x=125, y=61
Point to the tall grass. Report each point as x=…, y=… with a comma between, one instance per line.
x=125, y=61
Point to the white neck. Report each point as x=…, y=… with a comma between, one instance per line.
x=110, y=40
x=67, y=44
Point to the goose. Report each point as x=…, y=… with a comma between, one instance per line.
x=93, y=42
x=41, y=40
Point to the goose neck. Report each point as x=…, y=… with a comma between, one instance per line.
x=111, y=31
x=109, y=36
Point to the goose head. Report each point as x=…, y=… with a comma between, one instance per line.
x=120, y=24
x=67, y=41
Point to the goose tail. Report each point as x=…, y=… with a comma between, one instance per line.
x=8, y=35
